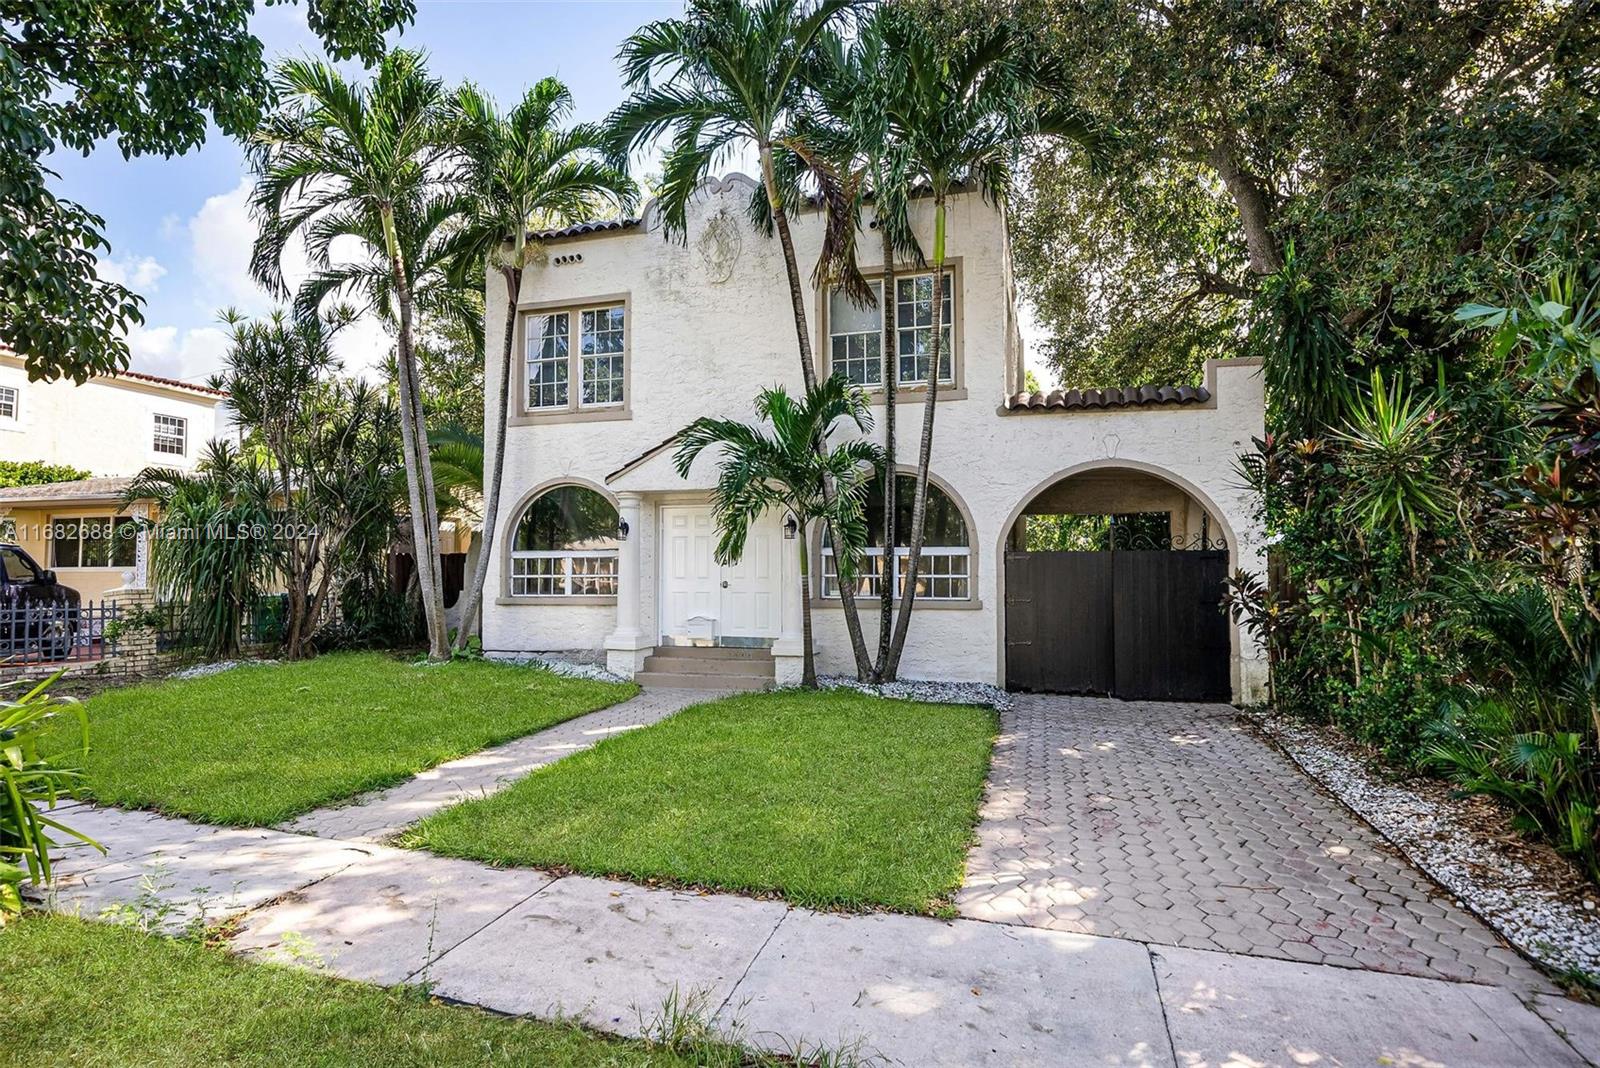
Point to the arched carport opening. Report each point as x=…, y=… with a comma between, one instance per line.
x=1112, y=576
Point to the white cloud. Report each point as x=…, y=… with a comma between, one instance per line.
x=191, y=356
x=139, y=275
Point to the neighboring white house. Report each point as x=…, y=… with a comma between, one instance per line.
x=109, y=426
x=625, y=337
x=113, y=428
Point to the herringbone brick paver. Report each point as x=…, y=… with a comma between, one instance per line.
x=1175, y=824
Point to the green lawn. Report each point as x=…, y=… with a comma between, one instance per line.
x=829, y=799
x=79, y=993
x=258, y=745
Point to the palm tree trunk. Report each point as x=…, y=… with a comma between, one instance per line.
x=419, y=467
x=808, y=671
x=808, y=371
x=491, y=484
x=891, y=478
x=919, y=506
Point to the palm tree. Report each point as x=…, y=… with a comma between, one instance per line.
x=369, y=162
x=784, y=469
x=847, y=144
x=962, y=106
x=520, y=170
x=730, y=72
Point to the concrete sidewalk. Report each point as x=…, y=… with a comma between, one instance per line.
x=908, y=990
x=379, y=815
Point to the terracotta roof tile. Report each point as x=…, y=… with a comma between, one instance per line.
x=1115, y=397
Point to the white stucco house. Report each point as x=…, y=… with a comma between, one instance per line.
x=623, y=337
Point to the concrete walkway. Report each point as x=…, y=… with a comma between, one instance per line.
x=384, y=813
x=1174, y=824
x=906, y=990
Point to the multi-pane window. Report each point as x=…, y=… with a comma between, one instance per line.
x=596, y=362
x=8, y=402
x=548, y=360
x=914, y=323
x=855, y=334
x=945, y=573
x=601, y=347
x=94, y=541
x=855, y=339
x=565, y=546
x=171, y=435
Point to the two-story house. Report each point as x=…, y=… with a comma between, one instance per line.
x=623, y=337
x=112, y=427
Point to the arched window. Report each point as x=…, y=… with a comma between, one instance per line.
x=565, y=545
x=945, y=574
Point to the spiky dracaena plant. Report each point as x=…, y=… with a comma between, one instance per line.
x=759, y=471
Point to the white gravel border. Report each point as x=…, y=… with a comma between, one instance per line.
x=935, y=693
x=572, y=669
x=1529, y=893
x=217, y=667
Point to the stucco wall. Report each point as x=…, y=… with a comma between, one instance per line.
x=699, y=345
x=103, y=427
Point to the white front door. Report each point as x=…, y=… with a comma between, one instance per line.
x=701, y=599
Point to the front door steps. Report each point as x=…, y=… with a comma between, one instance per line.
x=695, y=667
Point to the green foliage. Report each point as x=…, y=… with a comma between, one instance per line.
x=32, y=783
x=1390, y=454
x=36, y=473
x=152, y=76
x=215, y=547
x=792, y=471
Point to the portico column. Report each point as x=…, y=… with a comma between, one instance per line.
x=788, y=652
x=626, y=647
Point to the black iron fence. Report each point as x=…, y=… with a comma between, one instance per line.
x=181, y=628
x=57, y=633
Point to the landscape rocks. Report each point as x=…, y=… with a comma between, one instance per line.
x=937, y=693
x=1529, y=893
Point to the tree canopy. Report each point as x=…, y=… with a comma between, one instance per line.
x=74, y=73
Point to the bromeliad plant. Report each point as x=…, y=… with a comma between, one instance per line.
x=794, y=470
x=30, y=785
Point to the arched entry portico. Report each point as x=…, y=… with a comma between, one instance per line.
x=1111, y=574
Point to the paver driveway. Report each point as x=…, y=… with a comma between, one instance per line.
x=1174, y=824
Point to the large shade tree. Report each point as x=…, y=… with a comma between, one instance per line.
x=367, y=162
x=153, y=76
x=520, y=170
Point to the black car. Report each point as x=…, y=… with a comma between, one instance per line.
x=38, y=615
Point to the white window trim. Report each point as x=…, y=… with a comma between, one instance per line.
x=830, y=579
x=565, y=575
x=112, y=520
x=575, y=376
x=15, y=415
x=182, y=434
x=952, y=290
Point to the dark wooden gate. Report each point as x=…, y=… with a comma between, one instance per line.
x=1136, y=624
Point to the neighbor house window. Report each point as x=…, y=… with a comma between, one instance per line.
x=855, y=334
x=596, y=362
x=172, y=435
x=8, y=402
x=946, y=572
x=94, y=541
x=565, y=546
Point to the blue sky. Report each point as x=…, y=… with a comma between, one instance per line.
x=180, y=230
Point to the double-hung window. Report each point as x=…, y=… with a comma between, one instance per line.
x=171, y=435
x=8, y=403
x=595, y=359
x=855, y=334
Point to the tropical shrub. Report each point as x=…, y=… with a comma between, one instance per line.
x=36, y=473
x=31, y=785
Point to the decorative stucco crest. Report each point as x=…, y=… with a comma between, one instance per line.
x=719, y=245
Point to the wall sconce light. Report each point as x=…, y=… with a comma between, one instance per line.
x=791, y=527
x=622, y=530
